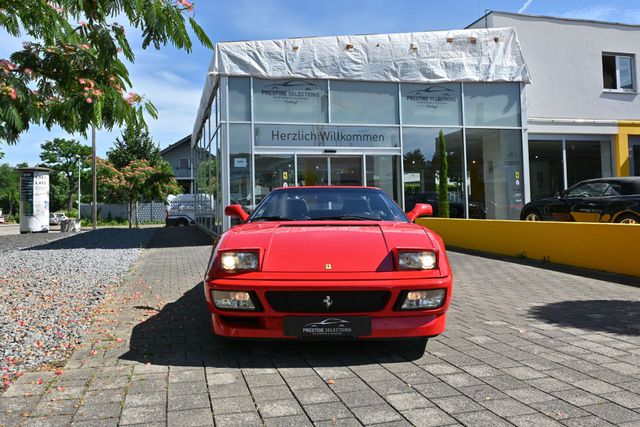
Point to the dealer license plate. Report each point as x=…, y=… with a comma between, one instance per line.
x=327, y=327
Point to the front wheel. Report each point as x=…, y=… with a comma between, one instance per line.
x=628, y=218
x=532, y=216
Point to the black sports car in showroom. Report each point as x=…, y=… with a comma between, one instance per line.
x=594, y=200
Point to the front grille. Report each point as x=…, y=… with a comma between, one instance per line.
x=327, y=301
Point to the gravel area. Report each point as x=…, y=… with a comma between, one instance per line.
x=49, y=287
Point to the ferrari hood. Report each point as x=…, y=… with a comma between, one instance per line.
x=310, y=247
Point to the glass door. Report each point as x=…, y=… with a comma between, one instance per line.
x=346, y=170
x=329, y=170
x=313, y=170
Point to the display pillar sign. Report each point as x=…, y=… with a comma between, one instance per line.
x=34, y=200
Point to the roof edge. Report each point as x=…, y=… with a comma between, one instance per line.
x=557, y=18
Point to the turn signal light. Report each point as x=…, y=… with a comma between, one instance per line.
x=232, y=300
x=422, y=300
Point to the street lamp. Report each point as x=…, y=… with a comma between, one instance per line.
x=79, y=174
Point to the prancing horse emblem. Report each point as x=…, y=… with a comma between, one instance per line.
x=327, y=301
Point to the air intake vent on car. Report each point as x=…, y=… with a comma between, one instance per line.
x=327, y=301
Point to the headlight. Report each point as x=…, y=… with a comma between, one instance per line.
x=239, y=261
x=416, y=300
x=425, y=260
x=232, y=300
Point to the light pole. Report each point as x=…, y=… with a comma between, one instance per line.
x=94, y=206
x=79, y=174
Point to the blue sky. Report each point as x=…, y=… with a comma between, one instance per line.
x=173, y=80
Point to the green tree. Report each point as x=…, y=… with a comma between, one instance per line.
x=63, y=156
x=71, y=72
x=443, y=178
x=58, y=191
x=9, y=188
x=136, y=181
x=135, y=143
x=205, y=184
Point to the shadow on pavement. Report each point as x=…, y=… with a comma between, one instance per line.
x=102, y=238
x=125, y=238
x=615, y=316
x=174, y=237
x=180, y=335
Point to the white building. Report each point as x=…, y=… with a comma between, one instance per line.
x=583, y=108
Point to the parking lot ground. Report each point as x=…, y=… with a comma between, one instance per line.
x=524, y=346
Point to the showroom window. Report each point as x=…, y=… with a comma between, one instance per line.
x=494, y=172
x=585, y=159
x=273, y=171
x=364, y=102
x=421, y=159
x=437, y=105
x=492, y=104
x=546, y=168
x=299, y=101
x=240, y=165
x=618, y=72
x=384, y=172
x=239, y=99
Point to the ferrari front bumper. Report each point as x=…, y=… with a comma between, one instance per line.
x=385, y=323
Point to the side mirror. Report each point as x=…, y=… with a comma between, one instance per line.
x=237, y=211
x=420, y=209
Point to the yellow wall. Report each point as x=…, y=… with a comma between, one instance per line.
x=625, y=128
x=605, y=247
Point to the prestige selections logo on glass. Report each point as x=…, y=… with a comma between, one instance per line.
x=293, y=90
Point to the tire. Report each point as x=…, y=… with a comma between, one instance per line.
x=182, y=223
x=628, y=218
x=532, y=216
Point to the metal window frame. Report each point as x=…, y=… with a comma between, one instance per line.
x=564, y=138
x=224, y=163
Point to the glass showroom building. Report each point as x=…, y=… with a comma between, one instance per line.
x=367, y=110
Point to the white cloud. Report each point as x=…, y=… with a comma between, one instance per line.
x=605, y=13
x=525, y=6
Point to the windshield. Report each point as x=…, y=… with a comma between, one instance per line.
x=302, y=204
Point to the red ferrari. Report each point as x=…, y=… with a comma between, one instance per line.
x=328, y=263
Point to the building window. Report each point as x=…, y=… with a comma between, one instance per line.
x=437, y=105
x=546, y=168
x=291, y=100
x=364, y=102
x=239, y=99
x=184, y=164
x=492, y=104
x=494, y=172
x=618, y=72
x=422, y=169
x=587, y=160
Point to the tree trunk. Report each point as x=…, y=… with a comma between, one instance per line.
x=137, y=222
x=130, y=212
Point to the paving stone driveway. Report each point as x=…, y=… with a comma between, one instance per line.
x=524, y=346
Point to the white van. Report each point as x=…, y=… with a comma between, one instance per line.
x=181, y=209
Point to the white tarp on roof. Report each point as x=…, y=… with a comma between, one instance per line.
x=473, y=55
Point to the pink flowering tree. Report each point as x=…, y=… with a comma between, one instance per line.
x=72, y=72
x=135, y=182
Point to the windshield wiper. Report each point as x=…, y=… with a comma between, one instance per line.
x=271, y=218
x=346, y=217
